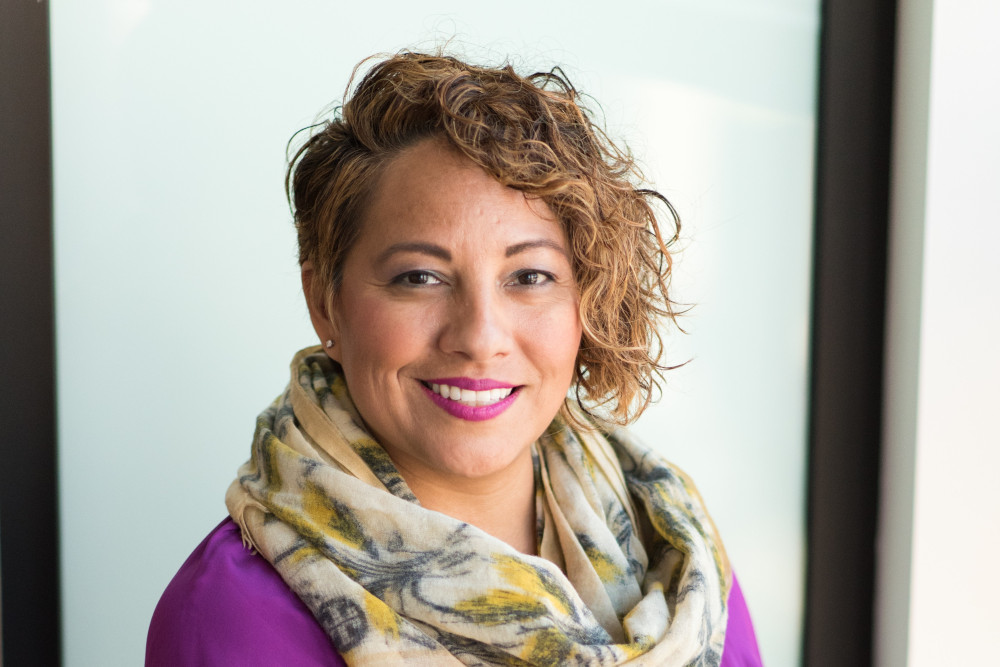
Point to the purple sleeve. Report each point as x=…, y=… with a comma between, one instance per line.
x=228, y=606
x=740, y=649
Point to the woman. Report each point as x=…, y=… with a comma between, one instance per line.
x=473, y=251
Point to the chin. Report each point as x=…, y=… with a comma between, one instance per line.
x=482, y=462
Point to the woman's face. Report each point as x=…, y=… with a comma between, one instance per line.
x=457, y=285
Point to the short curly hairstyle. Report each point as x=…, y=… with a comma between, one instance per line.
x=530, y=133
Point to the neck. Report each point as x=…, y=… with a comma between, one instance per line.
x=501, y=504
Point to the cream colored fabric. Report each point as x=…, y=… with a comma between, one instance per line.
x=631, y=570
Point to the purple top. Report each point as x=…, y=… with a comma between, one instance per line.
x=228, y=606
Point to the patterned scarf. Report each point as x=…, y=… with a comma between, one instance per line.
x=631, y=570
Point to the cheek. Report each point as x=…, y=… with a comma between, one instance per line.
x=379, y=335
x=554, y=337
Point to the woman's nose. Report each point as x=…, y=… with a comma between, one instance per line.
x=478, y=326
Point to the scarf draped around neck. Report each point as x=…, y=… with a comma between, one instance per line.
x=630, y=568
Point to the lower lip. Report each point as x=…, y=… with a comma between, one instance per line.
x=469, y=412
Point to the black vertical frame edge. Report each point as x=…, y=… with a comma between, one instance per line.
x=29, y=555
x=857, y=54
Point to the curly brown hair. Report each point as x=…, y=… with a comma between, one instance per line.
x=530, y=133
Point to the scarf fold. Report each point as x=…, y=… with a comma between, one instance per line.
x=631, y=569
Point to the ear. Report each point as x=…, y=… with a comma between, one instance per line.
x=319, y=310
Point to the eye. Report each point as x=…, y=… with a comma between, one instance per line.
x=530, y=277
x=416, y=279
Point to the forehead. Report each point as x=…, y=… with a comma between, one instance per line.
x=432, y=189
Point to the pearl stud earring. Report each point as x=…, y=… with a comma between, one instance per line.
x=329, y=343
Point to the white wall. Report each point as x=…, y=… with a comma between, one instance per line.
x=178, y=305
x=938, y=589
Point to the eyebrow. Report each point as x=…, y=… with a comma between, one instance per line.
x=422, y=248
x=529, y=245
x=443, y=254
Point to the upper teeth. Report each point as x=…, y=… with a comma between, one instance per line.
x=469, y=397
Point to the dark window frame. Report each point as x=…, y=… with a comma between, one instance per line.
x=853, y=144
x=29, y=528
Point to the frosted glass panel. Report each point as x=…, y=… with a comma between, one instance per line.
x=178, y=305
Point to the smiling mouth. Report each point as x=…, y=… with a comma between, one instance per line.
x=469, y=397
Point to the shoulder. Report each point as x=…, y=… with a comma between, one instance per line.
x=740, y=648
x=227, y=605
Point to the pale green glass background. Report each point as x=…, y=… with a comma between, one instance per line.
x=178, y=305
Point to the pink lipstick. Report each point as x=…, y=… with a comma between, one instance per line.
x=471, y=399
x=471, y=384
